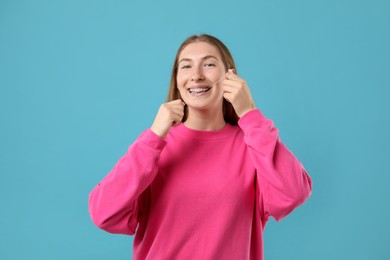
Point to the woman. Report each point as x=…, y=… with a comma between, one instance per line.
x=202, y=182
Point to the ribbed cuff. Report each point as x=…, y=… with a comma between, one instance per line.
x=149, y=138
x=253, y=117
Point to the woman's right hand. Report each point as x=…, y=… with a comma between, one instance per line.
x=169, y=114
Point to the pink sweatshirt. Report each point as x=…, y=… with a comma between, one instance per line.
x=201, y=194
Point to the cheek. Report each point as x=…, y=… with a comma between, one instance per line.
x=215, y=75
x=179, y=80
x=180, y=85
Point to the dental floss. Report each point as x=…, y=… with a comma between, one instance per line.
x=219, y=81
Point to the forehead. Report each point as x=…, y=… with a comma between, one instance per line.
x=198, y=50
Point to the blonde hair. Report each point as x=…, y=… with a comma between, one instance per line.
x=229, y=114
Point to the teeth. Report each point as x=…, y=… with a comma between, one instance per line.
x=198, y=90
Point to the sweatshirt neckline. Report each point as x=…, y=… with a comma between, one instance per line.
x=202, y=134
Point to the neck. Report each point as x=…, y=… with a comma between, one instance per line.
x=205, y=120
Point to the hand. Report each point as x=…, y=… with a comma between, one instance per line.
x=170, y=113
x=236, y=91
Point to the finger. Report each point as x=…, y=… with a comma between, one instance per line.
x=177, y=102
x=227, y=96
x=176, y=118
x=231, y=84
x=230, y=87
x=176, y=121
x=227, y=90
x=178, y=107
x=231, y=74
x=177, y=113
x=234, y=77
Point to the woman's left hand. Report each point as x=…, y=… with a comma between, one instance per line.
x=236, y=91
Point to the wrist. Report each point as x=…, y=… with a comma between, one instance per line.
x=159, y=132
x=246, y=110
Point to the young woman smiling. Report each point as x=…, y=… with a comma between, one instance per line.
x=202, y=182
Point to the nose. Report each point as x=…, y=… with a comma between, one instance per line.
x=198, y=74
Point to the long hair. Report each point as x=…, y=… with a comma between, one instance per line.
x=229, y=114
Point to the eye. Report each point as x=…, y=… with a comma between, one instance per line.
x=185, y=66
x=209, y=65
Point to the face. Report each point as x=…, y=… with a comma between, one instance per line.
x=200, y=71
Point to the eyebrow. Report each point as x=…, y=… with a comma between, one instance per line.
x=204, y=58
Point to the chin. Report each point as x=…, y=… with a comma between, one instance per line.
x=206, y=105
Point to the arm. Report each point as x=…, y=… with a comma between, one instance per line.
x=113, y=202
x=283, y=182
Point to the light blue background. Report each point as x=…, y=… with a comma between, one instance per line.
x=80, y=80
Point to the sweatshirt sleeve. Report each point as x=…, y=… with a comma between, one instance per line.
x=283, y=182
x=113, y=203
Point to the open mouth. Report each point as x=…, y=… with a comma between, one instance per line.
x=198, y=90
